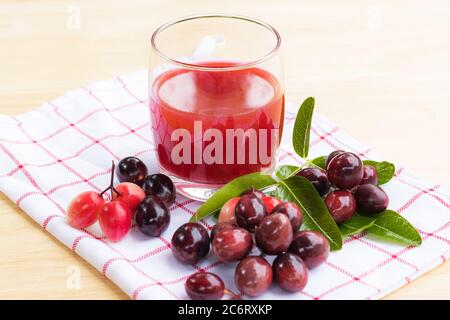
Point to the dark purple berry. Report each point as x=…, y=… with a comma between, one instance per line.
x=274, y=234
x=152, y=216
x=290, y=272
x=332, y=155
x=249, y=212
x=370, y=175
x=161, y=186
x=318, y=178
x=345, y=170
x=131, y=169
x=293, y=212
x=190, y=243
x=371, y=199
x=232, y=244
x=253, y=276
x=254, y=192
x=219, y=227
x=204, y=286
x=311, y=246
x=341, y=204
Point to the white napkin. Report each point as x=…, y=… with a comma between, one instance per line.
x=51, y=154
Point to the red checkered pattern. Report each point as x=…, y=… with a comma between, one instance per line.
x=65, y=147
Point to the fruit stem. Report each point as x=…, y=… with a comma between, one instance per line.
x=111, y=183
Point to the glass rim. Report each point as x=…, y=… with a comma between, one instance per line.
x=194, y=66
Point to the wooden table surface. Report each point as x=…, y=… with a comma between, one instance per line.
x=379, y=69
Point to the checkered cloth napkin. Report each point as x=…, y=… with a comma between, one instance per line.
x=51, y=154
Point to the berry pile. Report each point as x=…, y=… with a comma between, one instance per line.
x=252, y=218
x=347, y=185
x=138, y=196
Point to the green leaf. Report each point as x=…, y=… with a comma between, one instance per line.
x=390, y=225
x=320, y=162
x=302, y=128
x=356, y=224
x=385, y=170
x=315, y=213
x=232, y=189
x=285, y=171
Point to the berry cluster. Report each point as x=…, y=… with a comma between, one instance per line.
x=138, y=195
x=252, y=218
x=347, y=185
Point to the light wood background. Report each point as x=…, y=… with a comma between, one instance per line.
x=379, y=69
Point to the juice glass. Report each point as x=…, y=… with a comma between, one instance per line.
x=216, y=100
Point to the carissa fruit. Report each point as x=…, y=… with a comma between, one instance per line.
x=115, y=220
x=318, y=178
x=249, y=212
x=345, y=170
x=190, y=243
x=114, y=216
x=232, y=244
x=152, y=216
x=341, y=204
x=311, y=246
x=290, y=272
x=371, y=199
x=370, y=175
x=253, y=276
x=274, y=234
x=204, y=286
x=161, y=186
x=131, y=169
x=219, y=227
x=227, y=212
x=292, y=211
x=332, y=155
x=271, y=202
x=84, y=209
x=130, y=194
x=254, y=192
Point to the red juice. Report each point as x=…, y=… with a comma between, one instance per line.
x=244, y=99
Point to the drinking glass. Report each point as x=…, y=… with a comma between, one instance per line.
x=216, y=100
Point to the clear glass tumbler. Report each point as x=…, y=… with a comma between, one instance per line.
x=216, y=100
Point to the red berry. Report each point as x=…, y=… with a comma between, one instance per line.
x=370, y=175
x=161, y=186
x=290, y=272
x=190, y=243
x=318, y=178
x=253, y=276
x=311, y=246
x=332, y=155
x=341, y=204
x=152, y=216
x=274, y=234
x=204, y=286
x=271, y=202
x=227, y=212
x=219, y=227
x=293, y=212
x=249, y=212
x=253, y=192
x=232, y=244
x=345, y=170
x=115, y=220
x=371, y=199
x=130, y=194
x=131, y=169
x=83, y=210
